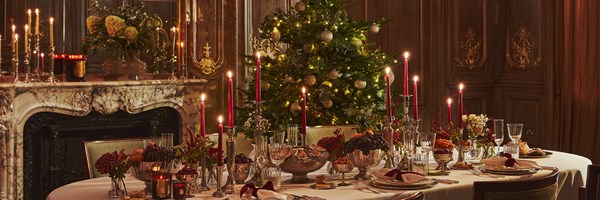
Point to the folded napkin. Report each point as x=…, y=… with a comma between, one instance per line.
x=256, y=191
x=502, y=162
x=268, y=194
x=399, y=175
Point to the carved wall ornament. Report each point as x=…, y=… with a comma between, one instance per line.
x=522, y=50
x=267, y=47
x=207, y=63
x=470, y=48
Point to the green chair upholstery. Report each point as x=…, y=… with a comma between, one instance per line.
x=543, y=188
x=95, y=149
x=314, y=134
x=242, y=145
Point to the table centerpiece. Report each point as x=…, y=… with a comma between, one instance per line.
x=365, y=150
x=115, y=165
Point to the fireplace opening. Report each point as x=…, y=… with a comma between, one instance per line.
x=53, y=151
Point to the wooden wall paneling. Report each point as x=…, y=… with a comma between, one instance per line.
x=526, y=105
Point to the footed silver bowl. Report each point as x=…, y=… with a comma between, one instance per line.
x=241, y=171
x=302, y=162
x=364, y=162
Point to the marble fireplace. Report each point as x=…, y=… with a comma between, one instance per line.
x=22, y=103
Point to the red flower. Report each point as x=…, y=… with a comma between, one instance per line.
x=115, y=164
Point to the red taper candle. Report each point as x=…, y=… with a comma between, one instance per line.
x=388, y=95
x=416, y=100
x=230, y=99
x=406, y=55
x=449, y=101
x=220, y=143
x=202, y=119
x=303, y=111
x=257, y=77
x=460, y=104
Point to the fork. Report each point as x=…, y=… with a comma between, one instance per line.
x=360, y=186
x=478, y=172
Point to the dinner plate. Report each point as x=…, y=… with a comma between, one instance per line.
x=377, y=185
x=548, y=154
x=509, y=171
x=395, y=183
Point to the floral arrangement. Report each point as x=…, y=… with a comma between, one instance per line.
x=366, y=142
x=114, y=164
x=443, y=144
x=194, y=149
x=476, y=127
x=124, y=28
x=250, y=125
x=333, y=144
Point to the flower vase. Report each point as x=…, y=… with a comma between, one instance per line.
x=112, y=66
x=117, y=190
x=487, y=151
x=330, y=168
x=133, y=67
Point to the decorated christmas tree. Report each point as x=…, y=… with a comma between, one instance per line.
x=318, y=46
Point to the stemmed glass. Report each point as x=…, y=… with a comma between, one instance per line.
x=514, y=131
x=427, y=141
x=278, y=152
x=499, y=132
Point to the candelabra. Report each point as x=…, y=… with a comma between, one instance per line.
x=35, y=75
x=259, y=150
x=218, y=193
x=461, y=154
x=26, y=62
x=184, y=69
x=390, y=161
x=15, y=66
x=173, y=66
x=228, y=188
x=406, y=131
x=51, y=77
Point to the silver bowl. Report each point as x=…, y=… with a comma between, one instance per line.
x=144, y=171
x=303, y=162
x=241, y=171
x=364, y=162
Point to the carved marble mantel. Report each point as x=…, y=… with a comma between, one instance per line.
x=20, y=101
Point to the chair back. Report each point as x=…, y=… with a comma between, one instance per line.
x=315, y=133
x=415, y=196
x=242, y=145
x=95, y=149
x=542, y=188
x=592, y=191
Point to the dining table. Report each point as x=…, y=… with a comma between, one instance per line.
x=572, y=171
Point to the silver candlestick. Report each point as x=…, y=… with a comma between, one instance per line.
x=184, y=70
x=260, y=149
x=228, y=188
x=203, y=176
x=390, y=161
x=173, y=62
x=15, y=66
x=405, y=130
x=35, y=74
x=218, y=193
x=52, y=78
x=461, y=154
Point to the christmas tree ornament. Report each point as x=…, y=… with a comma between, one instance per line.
x=326, y=35
x=357, y=42
x=310, y=80
x=275, y=35
x=289, y=79
x=347, y=92
x=295, y=108
x=300, y=6
x=264, y=85
x=307, y=47
x=360, y=84
x=374, y=28
x=334, y=74
x=327, y=83
x=327, y=103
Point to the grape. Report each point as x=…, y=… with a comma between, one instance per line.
x=155, y=153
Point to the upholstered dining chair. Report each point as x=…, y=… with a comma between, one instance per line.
x=592, y=184
x=95, y=149
x=415, y=196
x=543, y=188
x=315, y=133
x=242, y=145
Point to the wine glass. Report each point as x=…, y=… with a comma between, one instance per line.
x=499, y=132
x=278, y=152
x=514, y=131
x=427, y=141
x=343, y=165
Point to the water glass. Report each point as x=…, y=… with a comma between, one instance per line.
x=166, y=140
x=279, y=152
x=427, y=141
x=292, y=134
x=499, y=132
x=514, y=131
x=273, y=174
x=512, y=149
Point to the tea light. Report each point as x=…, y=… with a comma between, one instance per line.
x=179, y=190
x=161, y=186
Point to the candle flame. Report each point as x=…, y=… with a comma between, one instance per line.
x=461, y=86
x=406, y=54
x=258, y=54
x=449, y=101
x=16, y=36
x=29, y=11
x=51, y=20
x=14, y=28
x=26, y=27
x=37, y=11
x=202, y=97
x=220, y=119
x=230, y=74
x=387, y=70
x=173, y=29
x=42, y=55
x=415, y=78
x=303, y=90
x=181, y=44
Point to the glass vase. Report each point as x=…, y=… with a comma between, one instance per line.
x=133, y=67
x=117, y=189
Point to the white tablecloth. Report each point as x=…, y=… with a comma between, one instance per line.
x=573, y=169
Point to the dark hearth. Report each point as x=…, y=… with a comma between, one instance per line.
x=53, y=143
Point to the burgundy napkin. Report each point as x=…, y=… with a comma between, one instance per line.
x=267, y=186
x=399, y=175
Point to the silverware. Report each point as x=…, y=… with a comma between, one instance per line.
x=478, y=172
x=445, y=181
x=360, y=186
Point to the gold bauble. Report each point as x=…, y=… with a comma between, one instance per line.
x=275, y=35
x=300, y=6
x=326, y=35
x=374, y=28
x=327, y=103
x=310, y=80
x=360, y=84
